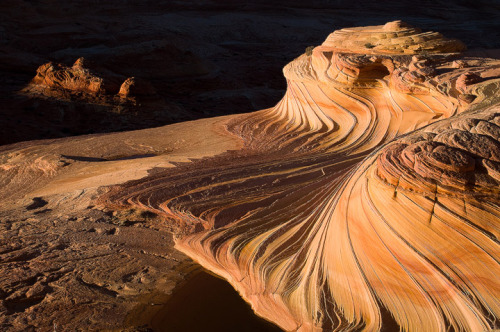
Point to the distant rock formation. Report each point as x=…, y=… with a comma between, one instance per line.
x=83, y=76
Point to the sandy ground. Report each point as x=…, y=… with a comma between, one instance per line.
x=61, y=254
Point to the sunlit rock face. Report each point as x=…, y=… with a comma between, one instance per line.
x=78, y=78
x=369, y=191
x=85, y=77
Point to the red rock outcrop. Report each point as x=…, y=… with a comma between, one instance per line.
x=78, y=78
x=88, y=78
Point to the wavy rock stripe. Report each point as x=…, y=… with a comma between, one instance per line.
x=367, y=196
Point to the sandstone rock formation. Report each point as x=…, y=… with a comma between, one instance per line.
x=366, y=198
x=77, y=78
x=88, y=78
x=327, y=219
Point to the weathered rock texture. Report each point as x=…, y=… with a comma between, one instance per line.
x=53, y=80
x=66, y=265
x=367, y=197
x=78, y=78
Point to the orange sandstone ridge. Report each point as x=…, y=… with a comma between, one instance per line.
x=368, y=194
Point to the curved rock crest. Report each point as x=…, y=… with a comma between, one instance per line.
x=368, y=194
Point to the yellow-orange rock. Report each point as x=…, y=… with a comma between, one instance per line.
x=367, y=195
x=395, y=37
x=347, y=200
x=77, y=78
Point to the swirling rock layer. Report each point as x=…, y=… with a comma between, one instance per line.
x=369, y=191
x=366, y=198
